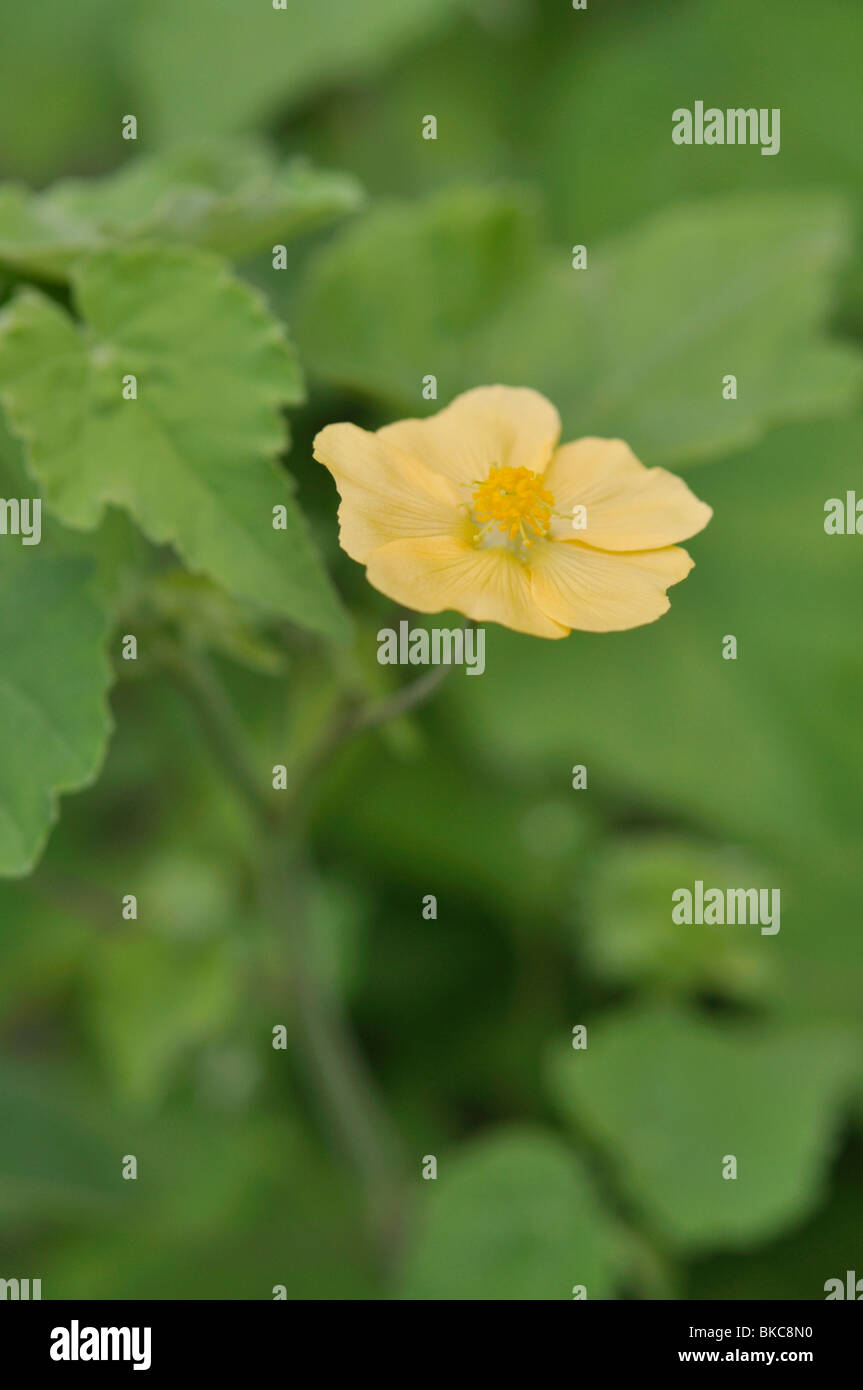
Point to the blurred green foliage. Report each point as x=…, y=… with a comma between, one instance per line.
x=228, y=196
x=153, y=1037
x=634, y=347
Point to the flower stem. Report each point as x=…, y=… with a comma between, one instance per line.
x=350, y=718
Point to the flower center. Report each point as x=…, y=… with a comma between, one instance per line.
x=514, y=500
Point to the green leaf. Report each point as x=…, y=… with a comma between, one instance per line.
x=669, y=1096
x=628, y=933
x=511, y=1216
x=54, y=679
x=636, y=346
x=409, y=286
x=227, y=196
x=219, y=67
x=738, y=285
x=192, y=458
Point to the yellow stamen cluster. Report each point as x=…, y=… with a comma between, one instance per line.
x=515, y=500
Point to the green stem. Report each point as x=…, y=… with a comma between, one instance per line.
x=350, y=718
x=200, y=684
x=341, y=1081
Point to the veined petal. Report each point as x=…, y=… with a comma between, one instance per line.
x=603, y=591
x=489, y=425
x=628, y=506
x=442, y=572
x=386, y=494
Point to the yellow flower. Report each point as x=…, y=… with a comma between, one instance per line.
x=472, y=509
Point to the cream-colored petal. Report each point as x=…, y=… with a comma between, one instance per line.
x=386, y=494
x=628, y=506
x=444, y=572
x=603, y=591
x=489, y=425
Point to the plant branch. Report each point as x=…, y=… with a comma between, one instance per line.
x=350, y=718
x=198, y=681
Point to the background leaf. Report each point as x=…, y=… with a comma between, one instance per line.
x=221, y=67
x=53, y=732
x=192, y=457
x=668, y=1097
x=636, y=346
x=227, y=196
x=628, y=933
x=513, y=1216
x=437, y=272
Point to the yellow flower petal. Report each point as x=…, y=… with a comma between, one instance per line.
x=489, y=425
x=386, y=494
x=599, y=591
x=448, y=572
x=628, y=506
